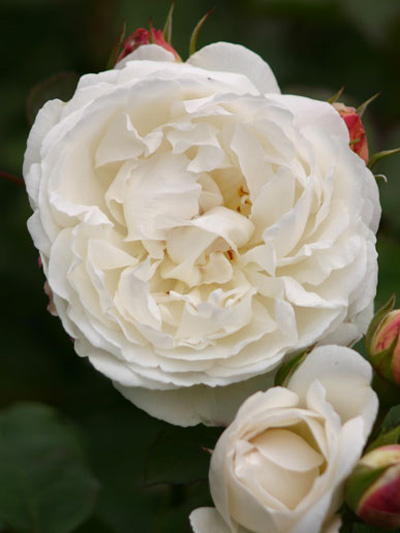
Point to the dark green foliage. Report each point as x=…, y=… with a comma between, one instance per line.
x=45, y=485
x=180, y=455
x=314, y=47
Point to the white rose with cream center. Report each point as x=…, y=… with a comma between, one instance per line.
x=196, y=226
x=281, y=465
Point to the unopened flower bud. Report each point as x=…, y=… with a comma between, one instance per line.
x=358, y=137
x=142, y=36
x=373, y=489
x=385, y=351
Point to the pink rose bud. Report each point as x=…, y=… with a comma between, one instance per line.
x=373, y=489
x=385, y=351
x=358, y=137
x=142, y=36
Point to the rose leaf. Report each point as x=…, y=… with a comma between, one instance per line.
x=45, y=485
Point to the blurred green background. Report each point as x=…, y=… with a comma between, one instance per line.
x=314, y=47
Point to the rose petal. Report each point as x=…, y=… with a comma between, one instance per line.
x=346, y=376
x=207, y=520
x=195, y=405
x=227, y=57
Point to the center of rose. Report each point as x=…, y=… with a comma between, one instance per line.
x=280, y=465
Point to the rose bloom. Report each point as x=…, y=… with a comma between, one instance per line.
x=282, y=463
x=196, y=226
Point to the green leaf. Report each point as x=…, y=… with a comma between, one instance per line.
x=180, y=455
x=45, y=485
x=287, y=370
x=60, y=86
x=392, y=419
x=196, y=32
x=390, y=430
x=377, y=320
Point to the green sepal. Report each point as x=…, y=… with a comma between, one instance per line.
x=333, y=99
x=361, y=108
x=351, y=522
x=376, y=322
x=362, y=477
x=381, y=155
x=151, y=35
x=381, y=177
x=390, y=430
x=196, y=32
x=388, y=394
x=287, y=370
x=391, y=437
x=116, y=48
x=167, y=30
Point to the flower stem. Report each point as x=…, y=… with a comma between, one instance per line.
x=9, y=177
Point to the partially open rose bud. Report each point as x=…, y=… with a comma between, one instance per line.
x=142, y=36
x=358, y=137
x=385, y=351
x=373, y=489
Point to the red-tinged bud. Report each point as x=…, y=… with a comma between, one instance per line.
x=385, y=347
x=373, y=489
x=358, y=137
x=142, y=36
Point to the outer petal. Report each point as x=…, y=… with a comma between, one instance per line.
x=207, y=520
x=227, y=57
x=346, y=377
x=45, y=120
x=309, y=112
x=199, y=404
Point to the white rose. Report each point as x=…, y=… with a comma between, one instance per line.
x=280, y=466
x=195, y=226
